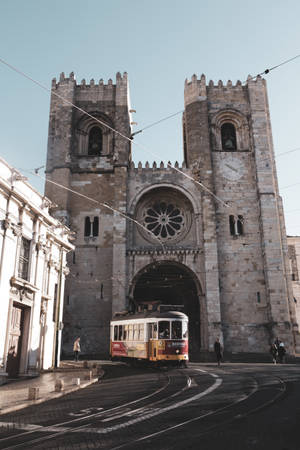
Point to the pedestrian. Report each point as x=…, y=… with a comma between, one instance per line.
x=274, y=352
x=76, y=349
x=277, y=343
x=218, y=351
x=281, y=353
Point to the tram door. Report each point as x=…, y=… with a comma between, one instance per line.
x=152, y=333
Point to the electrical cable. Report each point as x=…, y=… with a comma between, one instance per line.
x=51, y=91
x=106, y=205
x=266, y=71
x=157, y=122
x=290, y=185
x=151, y=125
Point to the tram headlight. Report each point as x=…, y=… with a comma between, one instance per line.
x=177, y=351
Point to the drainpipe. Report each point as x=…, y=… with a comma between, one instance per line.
x=57, y=335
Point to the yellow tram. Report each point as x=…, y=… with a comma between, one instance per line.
x=157, y=336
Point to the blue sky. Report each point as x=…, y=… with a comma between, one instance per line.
x=159, y=44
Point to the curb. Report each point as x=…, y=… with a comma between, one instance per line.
x=50, y=396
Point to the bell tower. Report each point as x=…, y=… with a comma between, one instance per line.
x=228, y=143
x=89, y=153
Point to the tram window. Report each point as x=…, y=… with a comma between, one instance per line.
x=125, y=334
x=164, y=329
x=176, y=329
x=136, y=332
x=130, y=337
x=150, y=328
x=185, y=332
x=120, y=332
x=115, y=332
x=141, y=332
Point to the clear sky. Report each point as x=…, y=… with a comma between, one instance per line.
x=159, y=43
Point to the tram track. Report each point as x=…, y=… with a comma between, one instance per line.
x=141, y=414
x=63, y=428
x=150, y=412
x=217, y=416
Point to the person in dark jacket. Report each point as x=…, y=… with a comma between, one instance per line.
x=218, y=351
x=274, y=352
x=281, y=352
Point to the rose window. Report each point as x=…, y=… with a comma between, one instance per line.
x=164, y=220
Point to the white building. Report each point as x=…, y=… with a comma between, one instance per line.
x=33, y=248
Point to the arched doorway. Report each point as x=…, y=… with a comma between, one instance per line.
x=171, y=283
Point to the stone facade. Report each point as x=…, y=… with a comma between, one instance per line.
x=209, y=235
x=33, y=248
x=294, y=260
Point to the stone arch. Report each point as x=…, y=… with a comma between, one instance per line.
x=241, y=126
x=167, y=211
x=84, y=127
x=173, y=283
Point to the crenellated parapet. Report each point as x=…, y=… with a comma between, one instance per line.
x=100, y=90
x=146, y=167
x=197, y=89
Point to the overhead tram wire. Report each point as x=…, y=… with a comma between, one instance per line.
x=104, y=204
x=112, y=129
x=157, y=122
x=266, y=71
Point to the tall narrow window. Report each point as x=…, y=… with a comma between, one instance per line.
x=240, y=225
x=236, y=225
x=95, y=141
x=54, y=303
x=87, y=227
x=91, y=227
x=23, y=268
x=96, y=226
x=228, y=136
x=232, y=225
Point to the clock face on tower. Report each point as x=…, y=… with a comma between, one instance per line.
x=232, y=167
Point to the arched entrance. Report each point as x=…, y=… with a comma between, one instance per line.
x=171, y=284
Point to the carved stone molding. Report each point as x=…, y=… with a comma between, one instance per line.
x=53, y=264
x=8, y=224
x=16, y=229
x=22, y=290
x=178, y=251
x=66, y=271
x=46, y=203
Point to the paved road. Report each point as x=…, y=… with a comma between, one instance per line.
x=234, y=407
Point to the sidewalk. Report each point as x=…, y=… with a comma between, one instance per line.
x=14, y=394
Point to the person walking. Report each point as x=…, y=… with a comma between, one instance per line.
x=76, y=349
x=274, y=352
x=218, y=351
x=277, y=343
x=281, y=353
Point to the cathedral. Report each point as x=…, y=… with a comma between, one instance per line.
x=207, y=234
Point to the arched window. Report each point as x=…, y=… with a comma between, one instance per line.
x=228, y=136
x=95, y=141
x=236, y=225
x=91, y=227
